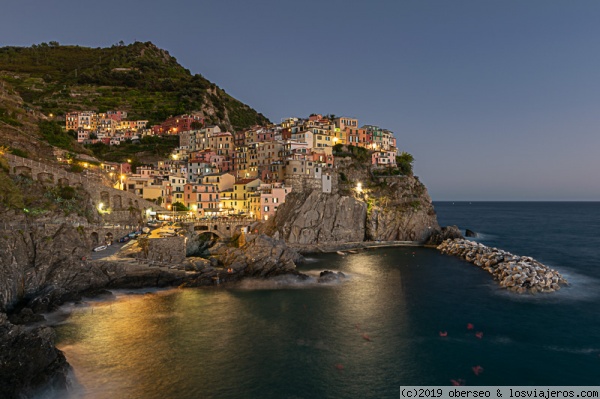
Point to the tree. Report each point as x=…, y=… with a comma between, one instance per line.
x=179, y=207
x=405, y=163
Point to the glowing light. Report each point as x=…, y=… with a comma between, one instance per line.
x=194, y=208
x=129, y=160
x=359, y=187
x=100, y=206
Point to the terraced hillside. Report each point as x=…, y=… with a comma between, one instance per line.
x=140, y=78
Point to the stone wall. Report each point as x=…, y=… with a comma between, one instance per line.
x=167, y=249
x=121, y=204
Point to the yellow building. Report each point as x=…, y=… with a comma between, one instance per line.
x=237, y=200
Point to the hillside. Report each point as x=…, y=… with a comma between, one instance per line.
x=139, y=78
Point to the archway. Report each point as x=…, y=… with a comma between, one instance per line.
x=117, y=204
x=108, y=238
x=95, y=238
x=44, y=177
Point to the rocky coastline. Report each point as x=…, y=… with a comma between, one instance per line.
x=58, y=274
x=520, y=274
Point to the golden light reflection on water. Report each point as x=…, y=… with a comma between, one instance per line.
x=122, y=345
x=186, y=343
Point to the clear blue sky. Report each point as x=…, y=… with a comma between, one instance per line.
x=497, y=100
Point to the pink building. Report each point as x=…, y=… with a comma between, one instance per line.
x=202, y=199
x=384, y=158
x=271, y=197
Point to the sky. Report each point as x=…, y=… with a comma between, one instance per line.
x=496, y=100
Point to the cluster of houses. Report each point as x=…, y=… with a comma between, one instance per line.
x=110, y=128
x=250, y=172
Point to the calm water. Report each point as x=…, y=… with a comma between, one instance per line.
x=282, y=340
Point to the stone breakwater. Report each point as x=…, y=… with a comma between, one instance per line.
x=520, y=274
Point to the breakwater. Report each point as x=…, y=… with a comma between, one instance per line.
x=520, y=274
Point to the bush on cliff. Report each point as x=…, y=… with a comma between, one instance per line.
x=405, y=163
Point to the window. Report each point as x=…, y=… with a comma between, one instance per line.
x=266, y=209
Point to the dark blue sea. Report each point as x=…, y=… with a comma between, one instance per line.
x=367, y=336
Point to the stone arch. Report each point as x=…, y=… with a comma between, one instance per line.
x=45, y=177
x=63, y=181
x=210, y=235
x=105, y=199
x=95, y=238
x=22, y=171
x=117, y=202
x=108, y=237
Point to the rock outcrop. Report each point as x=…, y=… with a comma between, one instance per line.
x=29, y=361
x=387, y=208
x=520, y=274
x=313, y=217
x=261, y=256
x=470, y=233
x=445, y=233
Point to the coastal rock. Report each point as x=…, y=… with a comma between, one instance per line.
x=328, y=276
x=470, y=233
x=29, y=361
x=313, y=217
x=519, y=274
x=445, y=233
x=261, y=256
x=393, y=209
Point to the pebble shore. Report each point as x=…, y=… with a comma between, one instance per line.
x=520, y=274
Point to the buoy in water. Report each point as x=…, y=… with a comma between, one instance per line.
x=477, y=369
x=470, y=326
x=339, y=366
x=443, y=333
x=479, y=334
x=457, y=382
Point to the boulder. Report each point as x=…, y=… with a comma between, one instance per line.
x=328, y=276
x=445, y=233
x=470, y=233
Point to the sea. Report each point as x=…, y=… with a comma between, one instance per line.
x=363, y=337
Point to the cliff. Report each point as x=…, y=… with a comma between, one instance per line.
x=384, y=208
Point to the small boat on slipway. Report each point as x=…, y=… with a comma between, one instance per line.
x=340, y=253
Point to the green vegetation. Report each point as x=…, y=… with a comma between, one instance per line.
x=179, y=207
x=9, y=117
x=160, y=146
x=10, y=195
x=359, y=153
x=405, y=163
x=387, y=172
x=139, y=78
x=19, y=153
x=55, y=135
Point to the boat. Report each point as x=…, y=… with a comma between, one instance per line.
x=340, y=253
x=100, y=248
x=352, y=251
